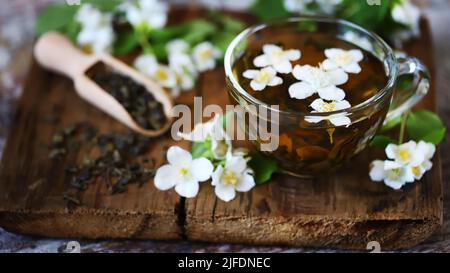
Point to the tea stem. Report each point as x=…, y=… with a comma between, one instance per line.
x=402, y=127
x=143, y=42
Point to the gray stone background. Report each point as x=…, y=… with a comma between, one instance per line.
x=16, y=37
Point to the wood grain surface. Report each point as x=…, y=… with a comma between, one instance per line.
x=326, y=212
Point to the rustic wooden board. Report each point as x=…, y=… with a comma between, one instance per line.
x=343, y=210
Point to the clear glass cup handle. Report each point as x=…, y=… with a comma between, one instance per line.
x=405, y=99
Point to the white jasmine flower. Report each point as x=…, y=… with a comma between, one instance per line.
x=90, y=17
x=235, y=176
x=177, y=46
x=328, y=6
x=426, y=150
x=324, y=6
x=278, y=58
x=184, y=69
x=358, y=40
x=183, y=172
x=407, y=14
x=162, y=74
x=346, y=60
x=317, y=80
x=147, y=14
x=261, y=78
x=394, y=174
x=205, y=55
x=221, y=145
x=202, y=131
x=97, y=34
x=295, y=6
x=321, y=106
x=240, y=5
x=405, y=153
x=96, y=40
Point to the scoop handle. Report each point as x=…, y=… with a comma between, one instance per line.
x=57, y=53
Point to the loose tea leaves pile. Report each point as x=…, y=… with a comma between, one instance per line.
x=113, y=165
x=134, y=97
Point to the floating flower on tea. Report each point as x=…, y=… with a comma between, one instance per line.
x=97, y=34
x=346, y=60
x=262, y=78
x=146, y=14
x=394, y=174
x=278, y=58
x=234, y=176
x=183, y=172
x=317, y=80
x=205, y=56
x=320, y=106
x=162, y=74
x=409, y=162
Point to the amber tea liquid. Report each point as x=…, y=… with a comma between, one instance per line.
x=305, y=149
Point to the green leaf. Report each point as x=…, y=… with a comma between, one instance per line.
x=56, y=17
x=201, y=149
x=435, y=136
x=425, y=125
x=368, y=16
x=391, y=124
x=104, y=6
x=231, y=24
x=168, y=33
x=269, y=9
x=222, y=40
x=71, y=30
x=198, y=32
x=125, y=43
x=380, y=141
x=263, y=168
x=160, y=51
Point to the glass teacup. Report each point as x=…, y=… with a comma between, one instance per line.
x=306, y=148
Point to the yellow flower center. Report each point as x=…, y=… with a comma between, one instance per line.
x=206, y=54
x=327, y=107
x=416, y=170
x=277, y=53
x=394, y=174
x=229, y=177
x=183, y=171
x=342, y=58
x=263, y=76
x=221, y=148
x=320, y=77
x=403, y=154
x=161, y=75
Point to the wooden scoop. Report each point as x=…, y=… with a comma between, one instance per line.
x=55, y=52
